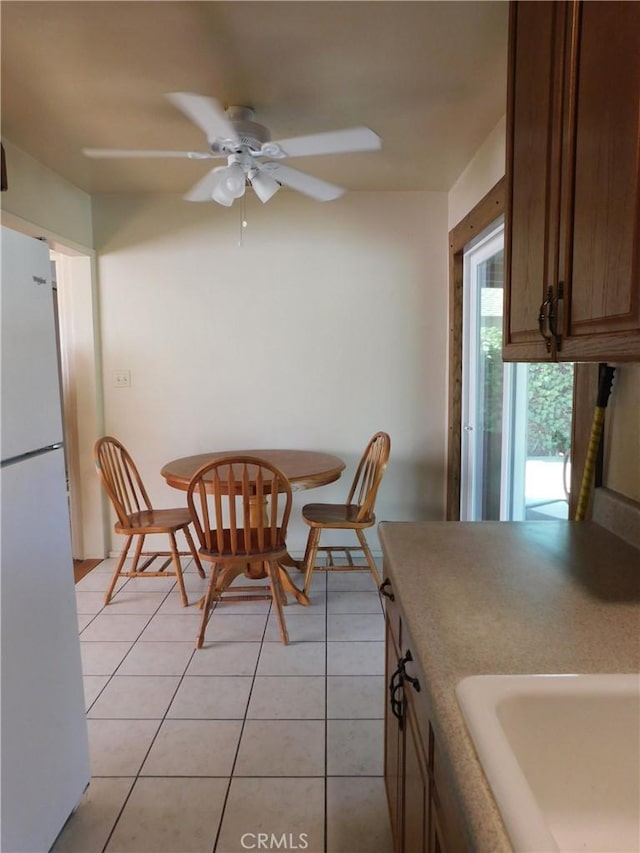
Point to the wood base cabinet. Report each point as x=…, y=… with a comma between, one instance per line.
x=572, y=237
x=424, y=814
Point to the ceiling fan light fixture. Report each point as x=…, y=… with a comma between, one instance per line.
x=229, y=184
x=234, y=180
x=264, y=186
x=220, y=193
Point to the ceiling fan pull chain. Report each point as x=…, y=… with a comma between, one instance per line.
x=243, y=220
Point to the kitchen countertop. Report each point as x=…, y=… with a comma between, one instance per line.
x=482, y=598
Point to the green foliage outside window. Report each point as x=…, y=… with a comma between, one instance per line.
x=549, y=398
x=491, y=343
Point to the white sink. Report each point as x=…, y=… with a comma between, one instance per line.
x=562, y=756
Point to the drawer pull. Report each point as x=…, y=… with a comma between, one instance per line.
x=386, y=592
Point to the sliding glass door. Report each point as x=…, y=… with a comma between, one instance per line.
x=516, y=418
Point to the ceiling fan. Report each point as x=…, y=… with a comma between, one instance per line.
x=232, y=134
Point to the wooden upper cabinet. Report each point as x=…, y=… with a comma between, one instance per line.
x=573, y=182
x=533, y=157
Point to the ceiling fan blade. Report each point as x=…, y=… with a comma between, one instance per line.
x=124, y=152
x=332, y=142
x=303, y=183
x=206, y=113
x=203, y=190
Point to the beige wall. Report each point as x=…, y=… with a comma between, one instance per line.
x=40, y=197
x=622, y=447
x=482, y=173
x=328, y=324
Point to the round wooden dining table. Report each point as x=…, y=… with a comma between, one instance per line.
x=305, y=469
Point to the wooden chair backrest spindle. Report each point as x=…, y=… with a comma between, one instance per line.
x=120, y=478
x=240, y=506
x=368, y=476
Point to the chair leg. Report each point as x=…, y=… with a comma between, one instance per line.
x=302, y=566
x=177, y=565
x=206, y=606
x=283, y=594
x=194, y=552
x=310, y=556
x=277, y=595
x=137, y=552
x=118, y=569
x=369, y=557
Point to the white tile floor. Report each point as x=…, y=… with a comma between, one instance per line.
x=202, y=750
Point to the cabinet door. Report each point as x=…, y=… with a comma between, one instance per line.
x=601, y=254
x=437, y=842
x=533, y=173
x=392, y=747
x=448, y=830
x=416, y=784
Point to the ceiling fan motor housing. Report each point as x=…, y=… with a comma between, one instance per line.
x=250, y=133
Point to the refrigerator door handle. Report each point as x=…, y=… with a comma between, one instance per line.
x=12, y=460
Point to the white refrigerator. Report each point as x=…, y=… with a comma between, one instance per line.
x=44, y=756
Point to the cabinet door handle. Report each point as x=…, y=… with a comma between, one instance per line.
x=412, y=681
x=394, y=687
x=554, y=310
x=544, y=318
x=396, y=684
x=406, y=659
x=392, y=681
x=386, y=592
x=397, y=705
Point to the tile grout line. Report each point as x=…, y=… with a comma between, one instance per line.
x=137, y=775
x=146, y=625
x=153, y=739
x=244, y=720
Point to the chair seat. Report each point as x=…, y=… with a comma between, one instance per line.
x=155, y=521
x=244, y=551
x=335, y=515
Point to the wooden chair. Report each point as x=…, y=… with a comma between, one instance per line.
x=136, y=517
x=240, y=507
x=356, y=514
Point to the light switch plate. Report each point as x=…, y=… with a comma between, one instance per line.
x=122, y=378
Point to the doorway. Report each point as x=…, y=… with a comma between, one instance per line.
x=516, y=418
x=82, y=411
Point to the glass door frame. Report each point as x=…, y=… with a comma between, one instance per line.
x=480, y=217
x=476, y=252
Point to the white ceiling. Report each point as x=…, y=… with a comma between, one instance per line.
x=428, y=77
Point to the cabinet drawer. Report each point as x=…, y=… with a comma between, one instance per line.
x=392, y=611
